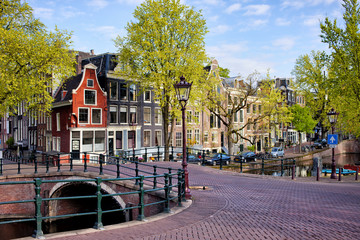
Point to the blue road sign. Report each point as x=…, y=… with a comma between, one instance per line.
x=332, y=139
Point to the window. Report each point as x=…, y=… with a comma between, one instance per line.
x=90, y=83
x=87, y=142
x=236, y=117
x=259, y=108
x=113, y=114
x=58, y=122
x=132, y=92
x=147, y=96
x=133, y=115
x=241, y=116
x=212, y=121
x=197, y=136
x=147, y=138
x=158, y=141
x=206, y=137
x=83, y=115
x=158, y=116
x=131, y=139
x=90, y=97
x=99, y=141
x=123, y=114
x=188, y=136
x=235, y=100
x=58, y=143
x=248, y=108
x=196, y=117
x=178, y=122
x=189, y=116
x=96, y=116
x=254, y=108
x=123, y=91
x=213, y=137
x=147, y=115
x=113, y=86
x=119, y=140
x=178, y=139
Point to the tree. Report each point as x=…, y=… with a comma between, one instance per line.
x=344, y=74
x=163, y=43
x=302, y=120
x=30, y=57
x=275, y=110
x=224, y=72
x=225, y=105
x=313, y=84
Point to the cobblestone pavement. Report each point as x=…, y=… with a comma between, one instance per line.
x=242, y=206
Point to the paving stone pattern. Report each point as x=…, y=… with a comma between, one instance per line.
x=240, y=206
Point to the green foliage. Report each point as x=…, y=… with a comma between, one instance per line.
x=344, y=69
x=302, y=119
x=10, y=142
x=224, y=72
x=312, y=82
x=251, y=148
x=29, y=56
x=163, y=43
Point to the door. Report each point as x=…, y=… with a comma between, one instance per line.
x=111, y=146
x=75, y=149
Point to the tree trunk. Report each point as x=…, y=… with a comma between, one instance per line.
x=300, y=141
x=165, y=117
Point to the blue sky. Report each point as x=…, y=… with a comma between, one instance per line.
x=244, y=35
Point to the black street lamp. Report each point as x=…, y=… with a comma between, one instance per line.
x=182, y=93
x=332, y=119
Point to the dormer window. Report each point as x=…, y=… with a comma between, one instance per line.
x=90, y=83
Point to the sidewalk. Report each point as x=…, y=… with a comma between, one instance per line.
x=243, y=206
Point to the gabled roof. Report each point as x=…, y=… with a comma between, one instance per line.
x=69, y=85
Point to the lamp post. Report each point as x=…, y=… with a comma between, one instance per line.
x=332, y=119
x=182, y=93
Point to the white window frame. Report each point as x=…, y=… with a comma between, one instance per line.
x=87, y=82
x=133, y=109
x=178, y=139
x=147, y=131
x=88, y=115
x=92, y=122
x=116, y=97
x=147, y=91
x=117, y=114
x=127, y=114
x=58, y=127
x=90, y=90
x=159, y=116
x=147, y=122
x=156, y=133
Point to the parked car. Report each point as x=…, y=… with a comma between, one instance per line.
x=216, y=157
x=246, y=157
x=319, y=144
x=277, y=152
x=194, y=159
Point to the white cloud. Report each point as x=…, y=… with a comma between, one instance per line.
x=260, y=9
x=220, y=29
x=258, y=22
x=213, y=18
x=282, y=22
x=43, y=12
x=69, y=12
x=98, y=3
x=131, y=2
x=285, y=43
x=109, y=31
x=313, y=21
x=232, y=8
x=302, y=3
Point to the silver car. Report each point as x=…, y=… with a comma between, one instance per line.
x=277, y=152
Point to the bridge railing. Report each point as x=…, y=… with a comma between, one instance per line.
x=147, y=179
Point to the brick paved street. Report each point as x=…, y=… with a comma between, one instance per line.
x=240, y=206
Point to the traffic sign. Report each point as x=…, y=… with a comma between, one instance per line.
x=332, y=139
x=332, y=145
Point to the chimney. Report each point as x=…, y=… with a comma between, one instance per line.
x=92, y=52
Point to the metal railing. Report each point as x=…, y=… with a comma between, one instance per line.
x=147, y=179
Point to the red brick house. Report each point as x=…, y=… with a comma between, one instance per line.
x=79, y=116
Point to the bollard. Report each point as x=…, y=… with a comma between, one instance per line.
x=293, y=172
x=146, y=159
x=71, y=162
x=179, y=188
x=136, y=173
x=117, y=168
x=203, y=158
x=19, y=167
x=282, y=167
x=85, y=162
x=172, y=153
x=98, y=223
x=141, y=205
x=38, y=217
x=167, y=193
x=241, y=165
x=154, y=177
x=101, y=160
x=58, y=162
x=158, y=155
x=357, y=173
x=340, y=170
x=220, y=161
x=317, y=173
